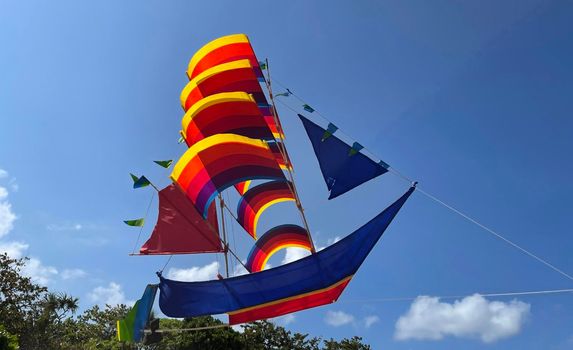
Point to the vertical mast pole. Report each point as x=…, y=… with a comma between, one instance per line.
x=222, y=205
x=284, y=153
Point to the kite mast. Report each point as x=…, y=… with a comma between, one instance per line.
x=226, y=249
x=283, y=150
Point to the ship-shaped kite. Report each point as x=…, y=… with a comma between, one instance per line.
x=236, y=143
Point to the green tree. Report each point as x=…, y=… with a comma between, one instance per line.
x=19, y=296
x=7, y=341
x=354, y=343
x=267, y=335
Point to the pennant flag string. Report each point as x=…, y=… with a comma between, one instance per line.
x=437, y=200
x=141, y=227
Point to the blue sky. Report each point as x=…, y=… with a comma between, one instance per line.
x=472, y=99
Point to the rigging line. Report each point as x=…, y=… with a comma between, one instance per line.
x=166, y=263
x=232, y=227
x=453, y=209
x=290, y=170
x=188, y=329
x=144, y=218
x=505, y=294
x=516, y=246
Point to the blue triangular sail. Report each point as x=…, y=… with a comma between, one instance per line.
x=343, y=166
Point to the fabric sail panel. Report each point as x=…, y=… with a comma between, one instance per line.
x=220, y=161
x=180, y=229
x=275, y=239
x=342, y=166
x=131, y=327
x=256, y=200
x=312, y=281
x=222, y=50
x=225, y=113
x=229, y=77
x=227, y=64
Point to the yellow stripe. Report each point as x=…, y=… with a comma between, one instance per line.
x=239, y=64
x=210, y=142
x=246, y=186
x=291, y=298
x=272, y=252
x=212, y=100
x=222, y=41
x=263, y=208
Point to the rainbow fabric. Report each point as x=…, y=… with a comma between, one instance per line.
x=275, y=239
x=258, y=199
x=222, y=50
x=220, y=161
x=243, y=187
x=227, y=64
x=225, y=113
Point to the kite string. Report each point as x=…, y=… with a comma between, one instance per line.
x=444, y=204
x=504, y=294
x=144, y=218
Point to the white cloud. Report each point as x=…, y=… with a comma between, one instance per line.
x=284, y=320
x=111, y=295
x=38, y=272
x=370, y=320
x=293, y=254
x=239, y=270
x=64, y=227
x=203, y=273
x=3, y=193
x=7, y=217
x=15, y=250
x=68, y=274
x=3, y=173
x=338, y=318
x=473, y=316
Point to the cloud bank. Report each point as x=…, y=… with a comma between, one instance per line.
x=471, y=317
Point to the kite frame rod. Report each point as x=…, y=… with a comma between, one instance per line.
x=226, y=250
x=283, y=150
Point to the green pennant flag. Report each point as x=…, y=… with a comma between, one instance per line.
x=164, y=163
x=141, y=182
x=307, y=108
x=263, y=65
x=135, y=222
x=133, y=177
x=285, y=94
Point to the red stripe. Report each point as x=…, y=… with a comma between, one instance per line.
x=305, y=302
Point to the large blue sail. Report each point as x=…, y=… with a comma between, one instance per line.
x=315, y=280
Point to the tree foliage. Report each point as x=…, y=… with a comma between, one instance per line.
x=33, y=318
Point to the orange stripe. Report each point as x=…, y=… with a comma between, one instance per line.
x=346, y=279
x=289, y=305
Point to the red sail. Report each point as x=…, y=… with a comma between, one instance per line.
x=180, y=229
